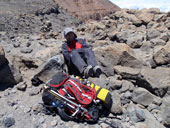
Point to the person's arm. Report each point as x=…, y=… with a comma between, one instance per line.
x=66, y=52
x=84, y=44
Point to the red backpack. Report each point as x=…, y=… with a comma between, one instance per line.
x=71, y=97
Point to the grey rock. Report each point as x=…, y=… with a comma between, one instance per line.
x=54, y=123
x=125, y=86
x=165, y=111
x=21, y=86
x=48, y=69
x=126, y=97
x=76, y=126
x=151, y=121
x=164, y=37
x=142, y=96
x=12, y=103
x=104, y=125
x=27, y=110
x=8, y=121
x=135, y=113
x=115, y=84
x=117, y=53
x=37, y=108
x=34, y=91
x=151, y=34
x=127, y=72
x=152, y=107
x=149, y=80
x=100, y=35
x=135, y=41
x=115, y=123
x=8, y=75
x=41, y=120
x=116, y=103
x=157, y=41
x=146, y=46
x=102, y=82
x=122, y=36
x=140, y=125
x=16, y=44
x=162, y=56
x=28, y=44
x=26, y=50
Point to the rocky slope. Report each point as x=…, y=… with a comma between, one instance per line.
x=132, y=47
x=88, y=9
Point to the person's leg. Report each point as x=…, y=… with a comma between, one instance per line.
x=78, y=62
x=89, y=57
x=91, y=60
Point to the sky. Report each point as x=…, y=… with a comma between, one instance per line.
x=163, y=5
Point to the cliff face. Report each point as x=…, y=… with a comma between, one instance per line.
x=88, y=9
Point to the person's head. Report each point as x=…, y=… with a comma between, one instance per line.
x=69, y=34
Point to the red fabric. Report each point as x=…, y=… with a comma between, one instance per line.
x=74, y=45
x=90, y=93
x=61, y=92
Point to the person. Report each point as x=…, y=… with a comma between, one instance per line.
x=79, y=58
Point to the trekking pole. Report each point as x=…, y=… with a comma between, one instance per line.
x=61, y=98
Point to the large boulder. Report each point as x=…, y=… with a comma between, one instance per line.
x=48, y=69
x=9, y=73
x=162, y=56
x=117, y=53
x=156, y=80
x=143, y=97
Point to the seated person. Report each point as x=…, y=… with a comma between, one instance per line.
x=79, y=58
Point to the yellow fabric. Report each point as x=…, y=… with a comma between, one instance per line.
x=92, y=85
x=102, y=94
x=97, y=87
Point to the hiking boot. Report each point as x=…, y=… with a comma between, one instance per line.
x=88, y=72
x=97, y=71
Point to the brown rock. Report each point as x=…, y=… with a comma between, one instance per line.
x=127, y=72
x=163, y=55
x=145, y=16
x=128, y=17
x=118, y=53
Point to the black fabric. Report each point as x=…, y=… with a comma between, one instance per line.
x=108, y=98
x=59, y=79
x=36, y=81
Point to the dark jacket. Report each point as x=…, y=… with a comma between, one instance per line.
x=66, y=48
